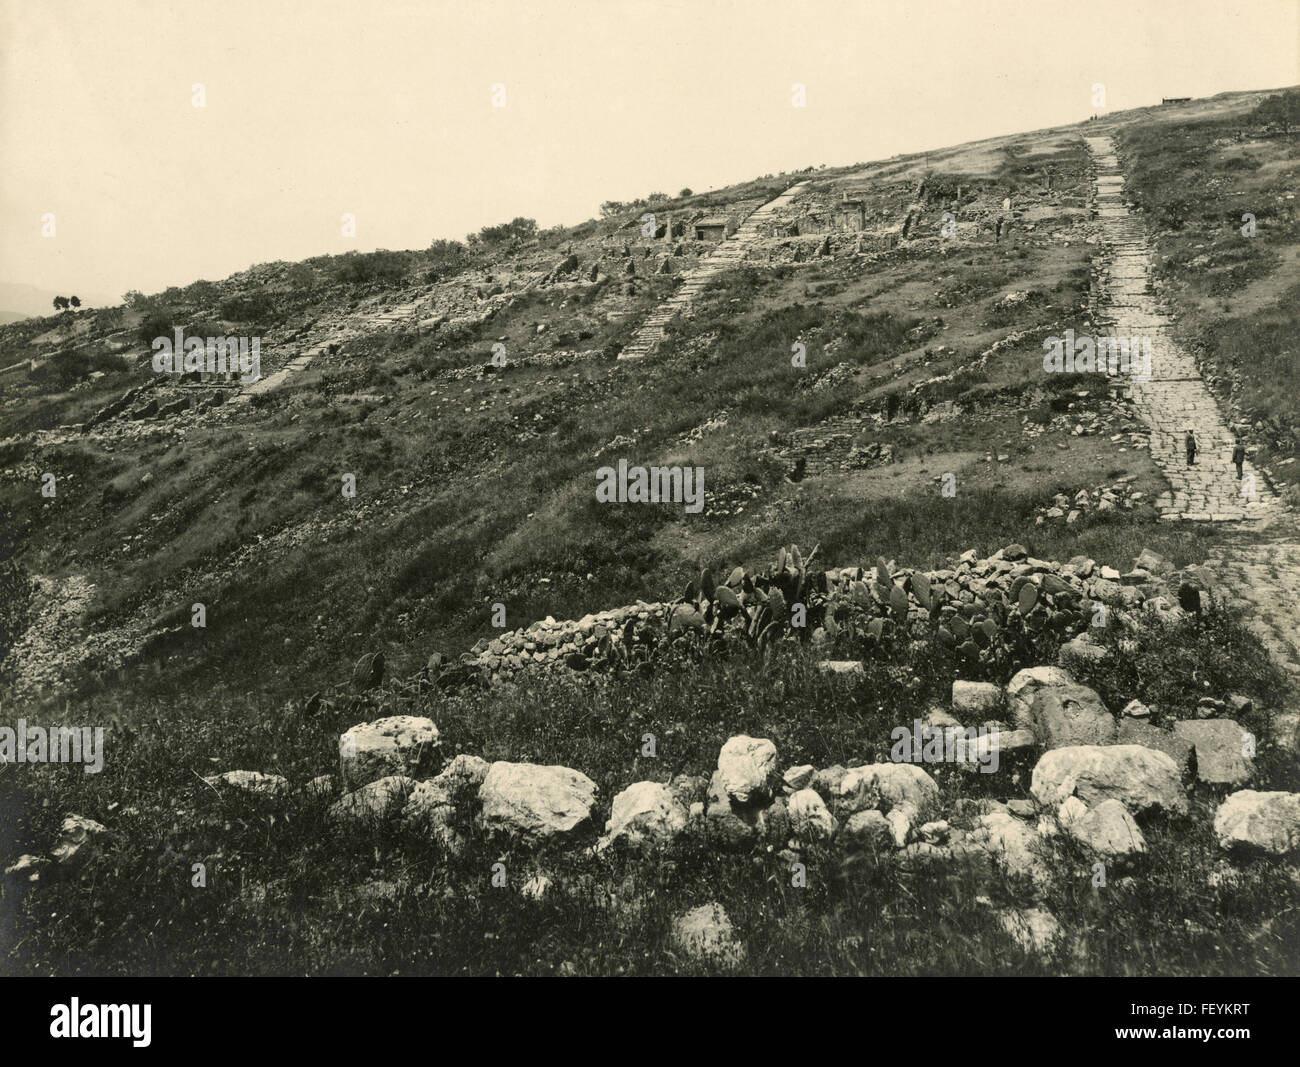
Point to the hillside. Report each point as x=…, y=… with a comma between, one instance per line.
x=857, y=366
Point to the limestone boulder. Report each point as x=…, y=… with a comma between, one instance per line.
x=747, y=768
x=886, y=786
x=644, y=813
x=1071, y=715
x=1082, y=651
x=796, y=778
x=810, y=819
x=1142, y=779
x=404, y=745
x=849, y=667
x=462, y=777
x=1014, y=845
x=431, y=812
x=1253, y=822
x=975, y=700
x=1108, y=830
x=379, y=801
x=868, y=830
x=533, y=801
x=1152, y=562
x=1220, y=746
x=1034, y=930
x=1024, y=686
x=1179, y=749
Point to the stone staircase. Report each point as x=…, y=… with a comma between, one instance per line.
x=1175, y=399
x=332, y=335
x=727, y=255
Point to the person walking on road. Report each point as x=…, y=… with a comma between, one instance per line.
x=1191, y=447
x=1239, y=456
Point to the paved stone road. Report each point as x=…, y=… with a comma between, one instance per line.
x=1175, y=399
x=729, y=253
x=1264, y=579
x=1257, y=565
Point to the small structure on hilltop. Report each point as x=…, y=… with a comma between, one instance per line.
x=711, y=228
x=1176, y=100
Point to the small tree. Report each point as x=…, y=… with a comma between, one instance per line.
x=519, y=229
x=60, y=303
x=1283, y=109
x=448, y=257
x=685, y=192
x=74, y=301
x=155, y=324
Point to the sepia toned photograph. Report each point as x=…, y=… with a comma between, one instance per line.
x=649, y=488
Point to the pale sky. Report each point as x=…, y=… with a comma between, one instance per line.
x=383, y=109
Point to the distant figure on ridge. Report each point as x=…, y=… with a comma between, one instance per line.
x=1239, y=456
x=1191, y=447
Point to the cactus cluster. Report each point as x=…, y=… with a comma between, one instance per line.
x=758, y=606
x=998, y=627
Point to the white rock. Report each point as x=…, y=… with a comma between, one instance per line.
x=935, y=832
x=746, y=766
x=941, y=720
x=250, y=783
x=462, y=777
x=1071, y=810
x=1142, y=779
x=900, y=824
x=78, y=842
x=1083, y=649
x=800, y=777
x=536, y=887
x=27, y=868
x=1108, y=829
x=1026, y=683
x=841, y=666
x=809, y=816
x=1071, y=715
x=973, y=699
x=894, y=784
x=1253, y=821
x=644, y=813
x=376, y=801
x=867, y=829
x=535, y=801
x=431, y=811
x=1219, y=744
x=398, y=745
x=1014, y=844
